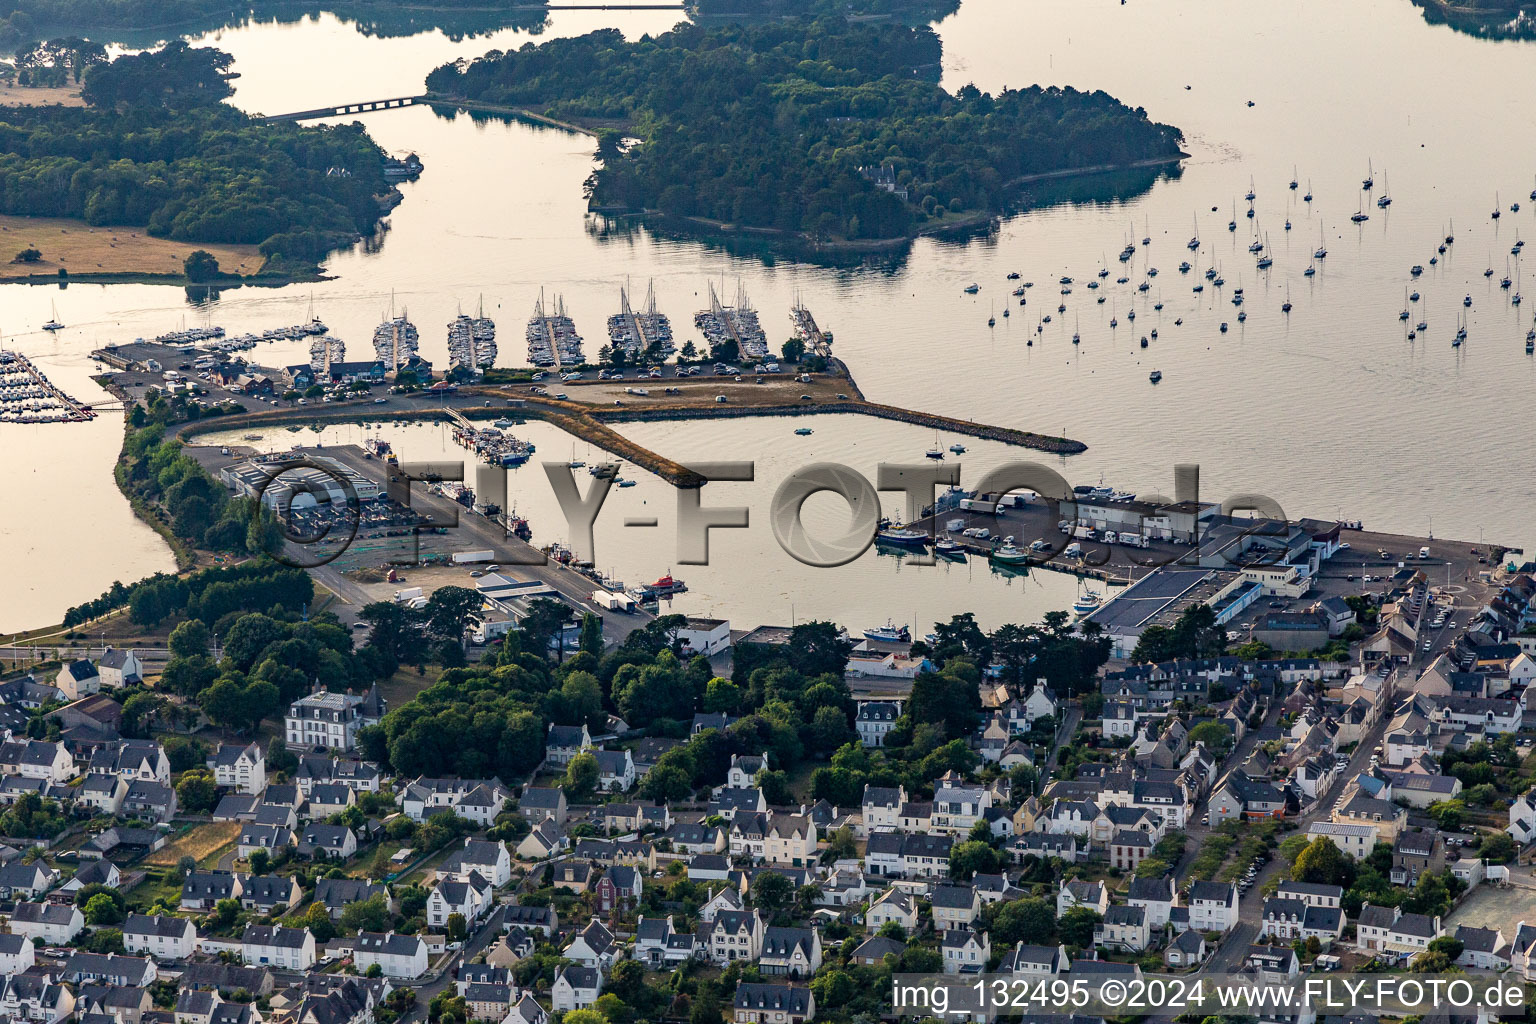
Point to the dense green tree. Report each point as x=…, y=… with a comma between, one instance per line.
x=196, y=792
x=1325, y=864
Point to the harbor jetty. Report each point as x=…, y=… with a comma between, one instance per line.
x=27, y=395
x=817, y=341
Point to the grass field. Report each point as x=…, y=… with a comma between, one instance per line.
x=399, y=688
x=21, y=96
x=201, y=842
x=83, y=249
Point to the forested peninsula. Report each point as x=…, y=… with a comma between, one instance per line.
x=156, y=147
x=828, y=129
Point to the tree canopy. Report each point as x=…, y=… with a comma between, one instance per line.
x=820, y=127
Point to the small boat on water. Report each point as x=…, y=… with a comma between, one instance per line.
x=622, y=482
x=803, y=431
x=251, y=437
x=890, y=633
x=1155, y=376
x=972, y=288
x=957, y=448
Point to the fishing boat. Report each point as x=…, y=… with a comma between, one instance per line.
x=1155, y=376
x=890, y=633
x=666, y=585
x=949, y=549
x=898, y=536
x=1007, y=554
x=1088, y=601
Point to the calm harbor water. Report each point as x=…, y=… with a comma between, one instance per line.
x=750, y=579
x=1331, y=409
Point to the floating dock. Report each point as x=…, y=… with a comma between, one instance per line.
x=552, y=337
x=738, y=322
x=395, y=341
x=27, y=396
x=816, y=340
x=642, y=335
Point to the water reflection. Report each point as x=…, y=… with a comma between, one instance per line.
x=376, y=21
x=1502, y=21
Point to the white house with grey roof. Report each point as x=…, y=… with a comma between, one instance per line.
x=277, y=946
x=162, y=936
x=241, y=768
x=17, y=953
x=575, y=987
x=327, y=720
x=874, y=719
x=56, y=924
x=1213, y=906
x=398, y=956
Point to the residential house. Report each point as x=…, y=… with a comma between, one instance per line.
x=1157, y=896
x=896, y=905
x=1125, y=929
x=162, y=936
x=734, y=935
x=398, y=956
x=277, y=946
x=540, y=802
x=329, y=720
x=470, y=898
x=56, y=924
x=792, y=951
x=1213, y=906
x=965, y=951
x=241, y=768
x=331, y=842
x=563, y=742
x=764, y=1003
x=575, y=988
